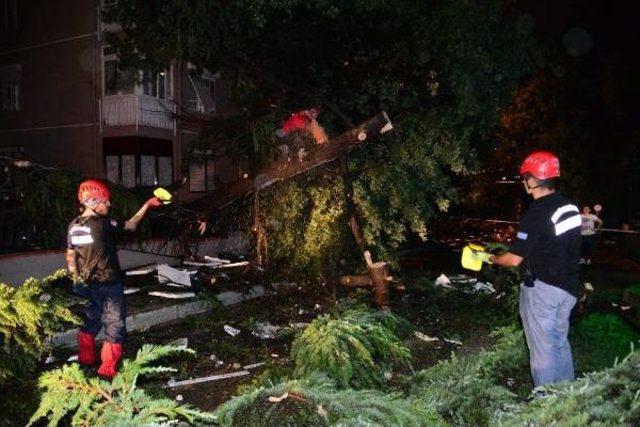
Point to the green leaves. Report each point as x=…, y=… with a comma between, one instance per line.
x=354, y=349
x=120, y=402
x=27, y=317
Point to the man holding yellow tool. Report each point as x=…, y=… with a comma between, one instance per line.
x=548, y=248
x=92, y=259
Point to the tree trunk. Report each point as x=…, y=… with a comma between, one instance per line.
x=280, y=171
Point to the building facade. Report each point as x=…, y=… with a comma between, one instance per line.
x=66, y=101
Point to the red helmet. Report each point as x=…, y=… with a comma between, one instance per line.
x=541, y=164
x=92, y=189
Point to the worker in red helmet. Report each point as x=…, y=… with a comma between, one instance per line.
x=92, y=259
x=547, y=248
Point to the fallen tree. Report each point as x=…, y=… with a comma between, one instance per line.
x=283, y=170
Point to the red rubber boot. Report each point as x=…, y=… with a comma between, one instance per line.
x=110, y=355
x=86, y=349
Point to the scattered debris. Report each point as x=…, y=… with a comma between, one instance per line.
x=73, y=358
x=321, y=411
x=252, y=366
x=388, y=375
x=129, y=291
x=424, y=337
x=181, y=277
x=452, y=341
x=231, y=330
x=182, y=342
x=317, y=307
x=625, y=307
x=172, y=295
x=179, y=398
x=274, y=399
x=483, y=288
x=50, y=359
x=265, y=330
x=462, y=279
x=299, y=325
x=213, y=358
x=236, y=365
x=219, y=363
x=172, y=384
x=443, y=281
x=141, y=271
x=45, y=297
x=275, y=355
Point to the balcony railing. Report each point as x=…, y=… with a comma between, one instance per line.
x=137, y=110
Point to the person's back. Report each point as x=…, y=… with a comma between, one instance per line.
x=552, y=247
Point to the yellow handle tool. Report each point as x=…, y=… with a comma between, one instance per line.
x=470, y=259
x=163, y=195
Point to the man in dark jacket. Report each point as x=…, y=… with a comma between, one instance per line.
x=92, y=259
x=547, y=247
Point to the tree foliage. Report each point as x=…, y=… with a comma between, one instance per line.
x=315, y=401
x=354, y=349
x=95, y=402
x=440, y=69
x=28, y=316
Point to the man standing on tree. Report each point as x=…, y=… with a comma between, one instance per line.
x=92, y=259
x=548, y=247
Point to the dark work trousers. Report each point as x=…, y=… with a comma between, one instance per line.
x=586, y=248
x=106, y=309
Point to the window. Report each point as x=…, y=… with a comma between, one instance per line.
x=10, y=88
x=201, y=93
x=117, y=81
x=202, y=175
x=155, y=83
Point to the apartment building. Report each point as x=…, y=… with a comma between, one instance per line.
x=66, y=101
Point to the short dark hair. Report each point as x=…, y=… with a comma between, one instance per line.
x=549, y=183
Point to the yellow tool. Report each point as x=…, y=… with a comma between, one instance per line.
x=473, y=255
x=163, y=195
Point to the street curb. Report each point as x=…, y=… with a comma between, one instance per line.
x=147, y=319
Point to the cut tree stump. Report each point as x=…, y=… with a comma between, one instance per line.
x=378, y=280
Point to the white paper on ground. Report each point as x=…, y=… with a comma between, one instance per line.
x=424, y=337
x=231, y=330
x=443, y=281
x=174, y=275
x=172, y=295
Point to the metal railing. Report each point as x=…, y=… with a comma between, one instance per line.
x=137, y=110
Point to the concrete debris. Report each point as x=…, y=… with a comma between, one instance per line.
x=141, y=271
x=265, y=331
x=181, y=277
x=443, y=281
x=181, y=342
x=172, y=384
x=424, y=337
x=231, y=330
x=172, y=295
x=129, y=291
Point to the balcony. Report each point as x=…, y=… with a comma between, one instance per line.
x=137, y=110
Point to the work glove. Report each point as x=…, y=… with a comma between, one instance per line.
x=153, y=203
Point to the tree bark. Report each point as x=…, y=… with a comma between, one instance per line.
x=283, y=170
